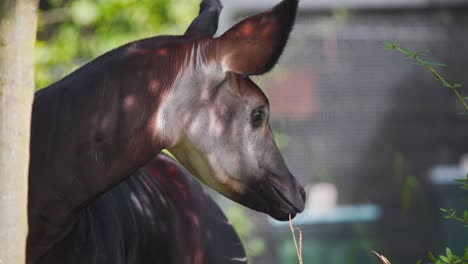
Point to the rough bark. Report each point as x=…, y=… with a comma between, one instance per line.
x=18, y=19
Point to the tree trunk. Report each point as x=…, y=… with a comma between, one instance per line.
x=18, y=19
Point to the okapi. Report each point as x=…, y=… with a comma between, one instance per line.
x=99, y=192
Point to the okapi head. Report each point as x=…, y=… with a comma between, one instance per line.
x=214, y=119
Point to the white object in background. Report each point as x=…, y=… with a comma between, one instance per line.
x=322, y=197
x=446, y=174
x=464, y=164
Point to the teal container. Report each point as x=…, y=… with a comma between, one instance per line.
x=337, y=236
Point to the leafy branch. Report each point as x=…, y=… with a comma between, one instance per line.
x=451, y=213
x=417, y=56
x=449, y=258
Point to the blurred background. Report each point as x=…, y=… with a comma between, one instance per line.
x=375, y=138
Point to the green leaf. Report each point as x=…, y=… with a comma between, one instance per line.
x=422, y=52
x=449, y=253
x=434, y=63
x=457, y=85
x=389, y=46
x=410, y=185
x=465, y=256
x=448, y=85
x=407, y=51
x=419, y=63
x=431, y=257
x=445, y=259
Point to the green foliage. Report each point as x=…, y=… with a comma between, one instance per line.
x=463, y=183
x=412, y=188
x=449, y=257
x=72, y=32
x=410, y=185
x=253, y=245
x=281, y=139
x=451, y=213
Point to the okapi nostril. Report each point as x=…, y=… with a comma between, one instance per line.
x=302, y=192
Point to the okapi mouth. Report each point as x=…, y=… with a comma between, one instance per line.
x=280, y=206
x=286, y=200
x=265, y=197
x=282, y=202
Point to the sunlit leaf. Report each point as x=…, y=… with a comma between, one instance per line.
x=88, y=28
x=448, y=252
x=445, y=259
x=84, y=12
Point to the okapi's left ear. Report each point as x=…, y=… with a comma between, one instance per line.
x=254, y=45
x=206, y=23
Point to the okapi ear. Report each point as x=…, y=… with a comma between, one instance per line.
x=206, y=23
x=254, y=45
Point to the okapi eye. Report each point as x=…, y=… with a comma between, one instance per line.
x=257, y=118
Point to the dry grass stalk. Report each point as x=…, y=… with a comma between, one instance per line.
x=298, y=249
x=384, y=259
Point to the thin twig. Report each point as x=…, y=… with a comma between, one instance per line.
x=426, y=64
x=298, y=249
x=437, y=75
x=384, y=259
